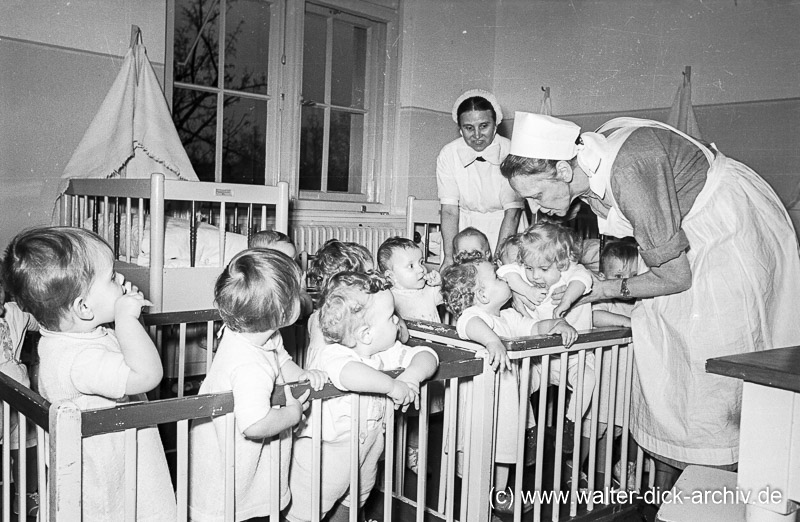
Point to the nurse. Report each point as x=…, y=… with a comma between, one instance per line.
x=472, y=191
x=720, y=267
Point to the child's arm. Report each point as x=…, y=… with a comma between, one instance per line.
x=433, y=278
x=477, y=330
x=293, y=373
x=574, y=291
x=137, y=348
x=360, y=378
x=519, y=286
x=606, y=318
x=557, y=327
x=278, y=419
x=422, y=366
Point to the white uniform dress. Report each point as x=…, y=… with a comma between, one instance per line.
x=745, y=281
x=477, y=187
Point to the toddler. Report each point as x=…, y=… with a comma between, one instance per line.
x=618, y=260
x=546, y=260
x=416, y=291
x=65, y=277
x=472, y=240
x=256, y=295
x=476, y=296
x=359, y=324
x=14, y=324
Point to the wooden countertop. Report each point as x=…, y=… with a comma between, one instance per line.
x=778, y=368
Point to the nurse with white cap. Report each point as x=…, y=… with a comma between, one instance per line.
x=472, y=191
x=720, y=266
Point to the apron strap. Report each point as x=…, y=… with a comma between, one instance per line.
x=639, y=122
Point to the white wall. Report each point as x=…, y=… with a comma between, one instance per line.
x=601, y=55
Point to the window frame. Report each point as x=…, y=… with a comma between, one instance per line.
x=283, y=128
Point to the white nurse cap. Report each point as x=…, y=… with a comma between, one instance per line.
x=478, y=93
x=543, y=137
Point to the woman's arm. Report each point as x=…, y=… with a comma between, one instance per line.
x=449, y=230
x=672, y=277
x=510, y=223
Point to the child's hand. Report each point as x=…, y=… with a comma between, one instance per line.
x=568, y=334
x=433, y=278
x=402, y=330
x=535, y=295
x=498, y=358
x=316, y=378
x=561, y=310
x=299, y=404
x=402, y=394
x=521, y=304
x=413, y=385
x=131, y=302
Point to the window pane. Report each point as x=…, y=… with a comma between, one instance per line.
x=243, y=140
x=311, y=137
x=194, y=114
x=346, y=152
x=349, y=64
x=196, y=56
x=247, y=45
x=314, y=42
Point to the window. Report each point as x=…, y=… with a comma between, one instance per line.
x=286, y=90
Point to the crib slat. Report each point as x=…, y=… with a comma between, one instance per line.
x=562, y=393
x=577, y=400
x=316, y=459
x=209, y=345
x=355, y=407
x=129, y=229
x=598, y=370
x=482, y=451
x=193, y=235
x=42, y=448
x=465, y=468
x=230, y=466
x=275, y=473
x=6, y=462
x=181, y=359
x=66, y=488
x=612, y=399
x=542, y=422
x=450, y=469
x=400, y=451
x=626, y=417
x=22, y=466
x=388, y=460
x=221, y=230
x=130, y=475
x=443, y=473
x=422, y=461
x=522, y=416
x=182, y=471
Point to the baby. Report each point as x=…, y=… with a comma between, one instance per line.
x=256, y=294
x=476, y=296
x=618, y=260
x=358, y=321
x=472, y=240
x=546, y=260
x=65, y=277
x=416, y=291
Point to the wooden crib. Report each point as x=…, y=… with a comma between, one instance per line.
x=185, y=280
x=404, y=495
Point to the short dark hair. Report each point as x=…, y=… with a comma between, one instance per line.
x=337, y=256
x=475, y=103
x=344, y=304
x=265, y=238
x=46, y=268
x=258, y=291
x=623, y=250
x=389, y=247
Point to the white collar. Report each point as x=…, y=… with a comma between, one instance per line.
x=591, y=155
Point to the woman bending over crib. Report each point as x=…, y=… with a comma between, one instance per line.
x=65, y=277
x=256, y=295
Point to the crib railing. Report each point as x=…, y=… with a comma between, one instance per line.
x=609, y=388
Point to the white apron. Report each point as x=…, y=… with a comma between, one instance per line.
x=745, y=281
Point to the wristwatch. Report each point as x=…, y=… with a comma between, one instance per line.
x=624, y=292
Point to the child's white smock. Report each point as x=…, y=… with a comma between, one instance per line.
x=336, y=433
x=420, y=305
x=90, y=370
x=250, y=372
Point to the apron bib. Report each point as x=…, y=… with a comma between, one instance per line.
x=745, y=278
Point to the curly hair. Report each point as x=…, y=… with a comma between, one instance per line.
x=460, y=282
x=344, y=304
x=258, y=291
x=46, y=268
x=389, y=247
x=547, y=243
x=505, y=246
x=338, y=256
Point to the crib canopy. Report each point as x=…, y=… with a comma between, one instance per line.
x=132, y=134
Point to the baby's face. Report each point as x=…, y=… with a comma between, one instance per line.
x=617, y=269
x=470, y=244
x=382, y=322
x=106, y=288
x=407, y=269
x=495, y=289
x=541, y=273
